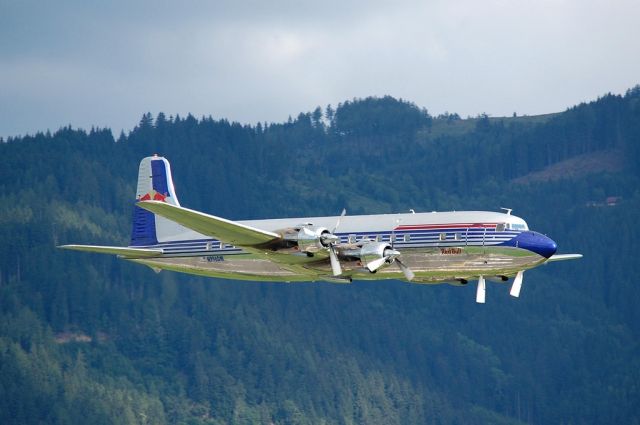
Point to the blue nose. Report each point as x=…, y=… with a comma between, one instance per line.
x=534, y=242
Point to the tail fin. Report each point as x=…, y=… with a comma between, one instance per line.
x=155, y=183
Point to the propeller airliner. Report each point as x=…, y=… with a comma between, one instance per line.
x=428, y=248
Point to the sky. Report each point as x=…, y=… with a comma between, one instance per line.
x=93, y=63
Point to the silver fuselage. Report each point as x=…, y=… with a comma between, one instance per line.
x=438, y=247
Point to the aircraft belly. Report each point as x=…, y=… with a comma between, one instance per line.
x=430, y=265
x=435, y=265
x=438, y=265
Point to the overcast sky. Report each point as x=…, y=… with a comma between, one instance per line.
x=93, y=63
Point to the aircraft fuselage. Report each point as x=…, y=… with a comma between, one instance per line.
x=438, y=247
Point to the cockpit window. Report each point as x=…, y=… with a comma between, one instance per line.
x=517, y=226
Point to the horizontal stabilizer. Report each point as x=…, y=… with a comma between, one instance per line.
x=220, y=228
x=562, y=257
x=116, y=250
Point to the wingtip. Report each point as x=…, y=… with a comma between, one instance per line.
x=562, y=257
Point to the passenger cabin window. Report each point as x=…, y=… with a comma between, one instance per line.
x=500, y=227
x=352, y=238
x=443, y=236
x=378, y=238
x=407, y=237
x=457, y=236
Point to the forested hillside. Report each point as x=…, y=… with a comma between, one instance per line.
x=92, y=339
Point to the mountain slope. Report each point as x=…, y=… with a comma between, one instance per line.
x=168, y=348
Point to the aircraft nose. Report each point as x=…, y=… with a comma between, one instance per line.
x=548, y=246
x=538, y=243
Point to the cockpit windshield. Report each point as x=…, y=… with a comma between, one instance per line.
x=517, y=226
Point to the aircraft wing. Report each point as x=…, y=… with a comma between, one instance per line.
x=123, y=252
x=220, y=228
x=562, y=257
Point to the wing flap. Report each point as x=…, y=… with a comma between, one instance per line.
x=116, y=250
x=563, y=257
x=225, y=230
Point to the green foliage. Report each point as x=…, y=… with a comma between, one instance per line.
x=374, y=117
x=92, y=339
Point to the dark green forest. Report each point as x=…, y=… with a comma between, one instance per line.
x=92, y=339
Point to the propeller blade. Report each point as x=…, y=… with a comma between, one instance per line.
x=335, y=263
x=482, y=288
x=405, y=270
x=344, y=212
x=374, y=265
x=331, y=240
x=517, y=284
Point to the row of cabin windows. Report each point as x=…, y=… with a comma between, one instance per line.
x=402, y=238
x=407, y=237
x=378, y=238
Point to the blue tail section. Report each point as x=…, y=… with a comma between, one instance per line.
x=144, y=228
x=154, y=183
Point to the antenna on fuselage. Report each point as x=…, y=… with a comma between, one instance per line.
x=508, y=210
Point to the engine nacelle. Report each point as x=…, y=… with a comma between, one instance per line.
x=373, y=255
x=308, y=238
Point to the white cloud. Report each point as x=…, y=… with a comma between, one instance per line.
x=262, y=61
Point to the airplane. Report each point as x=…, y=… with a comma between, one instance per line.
x=425, y=248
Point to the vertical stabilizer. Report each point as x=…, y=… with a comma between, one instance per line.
x=155, y=183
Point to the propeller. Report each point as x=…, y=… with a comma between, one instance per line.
x=330, y=240
x=482, y=287
x=388, y=256
x=517, y=284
